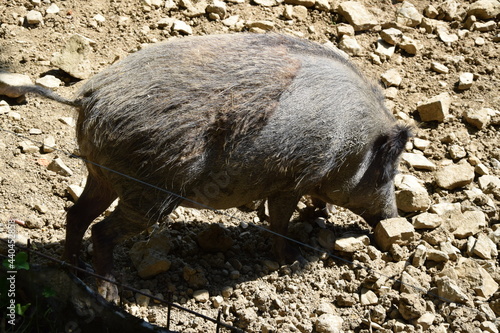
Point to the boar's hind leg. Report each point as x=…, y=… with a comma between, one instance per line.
x=281, y=208
x=96, y=197
x=124, y=222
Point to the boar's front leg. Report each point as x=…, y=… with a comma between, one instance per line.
x=281, y=207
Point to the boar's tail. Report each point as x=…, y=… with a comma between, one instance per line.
x=39, y=90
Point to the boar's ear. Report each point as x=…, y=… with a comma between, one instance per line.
x=388, y=148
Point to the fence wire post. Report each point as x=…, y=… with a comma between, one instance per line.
x=217, y=328
x=169, y=310
x=28, y=245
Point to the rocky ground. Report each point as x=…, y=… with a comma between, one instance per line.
x=434, y=270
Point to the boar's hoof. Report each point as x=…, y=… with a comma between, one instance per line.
x=286, y=253
x=108, y=290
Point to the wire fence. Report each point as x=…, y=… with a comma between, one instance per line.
x=239, y=220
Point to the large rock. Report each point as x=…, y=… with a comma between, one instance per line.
x=74, y=58
x=329, y=323
x=408, y=15
x=392, y=35
x=350, y=45
x=485, y=248
x=455, y=175
x=426, y=221
x=471, y=273
x=393, y=231
x=418, y=161
x=357, y=15
x=450, y=291
x=411, y=306
x=489, y=183
x=477, y=118
x=435, y=108
x=463, y=225
x=391, y=78
x=411, y=195
x=10, y=83
x=150, y=257
x=485, y=9
x=384, y=50
x=351, y=243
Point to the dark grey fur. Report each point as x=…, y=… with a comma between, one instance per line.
x=225, y=120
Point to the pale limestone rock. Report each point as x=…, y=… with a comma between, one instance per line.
x=485, y=248
x=350, y=45
x=323, y=5
x=471, y=272
x=457, y=152
x=439, y=68
x=352, y=243
x=446, y=37
x=329, y=323
x=452, y=252
x=48, y=81
x=426, y=221
x=419, y=256
x=410, y=45
x=391, y=78
x=454, y=175
x=217, y=10
x=437, y=255
x=445, y=208
x=368, y=297
x=357, y=15
x=485, y=9
x=58, y=166
x=431, y=12
x=411, y=306
x=466, y=224
x=305, y=3
x=217, y=301
x=49, y=144
x=465, y=81
x=408, y=15
x=392, y=35
x=411, y=195
x=426, y=320
x=418, y=161
x=9, y=83
x=74, y=191
x=484, y=26
x=74, y=58
x=182, y=27
x=421, y=144
x=201, y=295
x=263, y=25
x=4, y=107
x=435, y=108
x=344, y=29
x=384, y=50
x=393, y=231
x=28, y=147
x=34, y=17
x=450, y=291
x=266, y=3
x=477, y=118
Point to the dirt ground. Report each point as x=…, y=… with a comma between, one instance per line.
x=254, y=292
